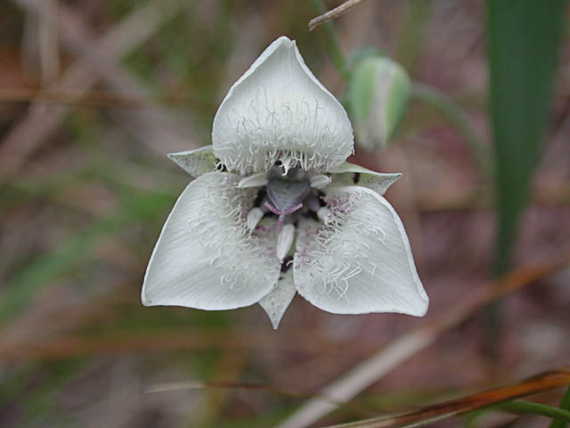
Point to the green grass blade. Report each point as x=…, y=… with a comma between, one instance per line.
x=523, y=41
x=530, y=408
x=564, y=405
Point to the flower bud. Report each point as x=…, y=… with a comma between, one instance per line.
x=379, y=92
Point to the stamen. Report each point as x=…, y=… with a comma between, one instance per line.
x=285, y=241
x=324, y=215
x=312, y=202
x=320, y=181
x=255, y=180
x=286, y=264
x=287, y=163
x=254, y=217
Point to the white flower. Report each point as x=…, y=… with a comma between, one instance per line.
x=276, y=210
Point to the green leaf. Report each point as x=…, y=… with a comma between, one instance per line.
x=523, y=41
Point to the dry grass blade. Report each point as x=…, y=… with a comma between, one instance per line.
x=165, y=340
x=95, y=99
x=40, y=122
x=533, y=385
x=398, y=351
x=333, y=13
x=160, y=129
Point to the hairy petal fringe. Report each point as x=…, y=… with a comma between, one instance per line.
x=360, y=260
x=206, y=257
x=278, y=110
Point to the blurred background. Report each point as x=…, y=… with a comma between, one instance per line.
x=93, y=94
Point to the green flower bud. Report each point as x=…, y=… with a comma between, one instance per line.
x=379, y=92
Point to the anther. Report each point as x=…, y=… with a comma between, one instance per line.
x=285, y=241
x=253, y=218
x=324, y=215
x=320, y=181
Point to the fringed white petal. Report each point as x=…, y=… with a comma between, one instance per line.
x=276, y=303
x=195, y=162
x=206, y=257
x=320, y=181
x=255, y=180
x=349, y=174
x=278, y=110
x=361, y=261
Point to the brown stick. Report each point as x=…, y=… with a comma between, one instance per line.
x=333, y=13
x=543, y=382
x=127, y=343
x=160, y=129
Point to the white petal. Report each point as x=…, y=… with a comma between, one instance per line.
x=195, y=162
x=255, y=180
x=361, y=262
x=279, y=110
x=350, y=174
x=320, y=181
x=206, y=258
x=276, y=303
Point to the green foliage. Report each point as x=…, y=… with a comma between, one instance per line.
x=379, y=89
x=363, y=82
x=564, y=405
x=523, y=42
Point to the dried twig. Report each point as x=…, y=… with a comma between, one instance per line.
x=95, y=99
x=40, y=43
x=333, y=13
x=433, y=413
x=158, y=128
x=398, y=351
x=165, y=340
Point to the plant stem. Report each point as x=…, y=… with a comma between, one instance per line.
x=412, y=34
x=333, y=44
x=564, y=405
x=458, y=118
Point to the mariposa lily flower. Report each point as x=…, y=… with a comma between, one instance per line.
x=276, y=210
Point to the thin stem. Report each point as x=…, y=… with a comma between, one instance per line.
x=333, y=44
x=458, y=118
x=332, y=14
x=564, y=405
x=412, y=34
x=532, y=408
x=482, y=156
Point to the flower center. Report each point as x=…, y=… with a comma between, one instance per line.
x=286, y=192
x=290, y=194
